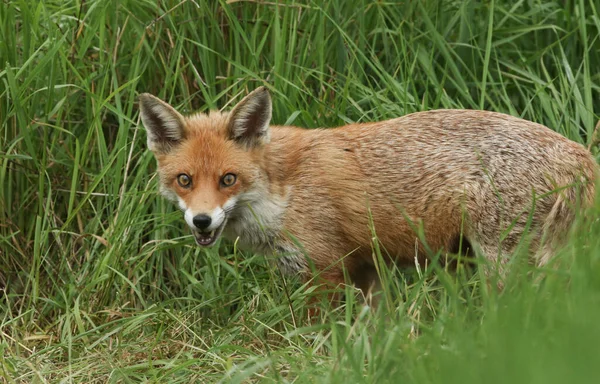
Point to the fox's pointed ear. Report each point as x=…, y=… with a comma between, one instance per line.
x=164, y=125
x=249, y=120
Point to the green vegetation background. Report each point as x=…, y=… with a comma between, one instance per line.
x=101, y=281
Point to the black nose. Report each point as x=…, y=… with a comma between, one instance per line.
x=202, y=221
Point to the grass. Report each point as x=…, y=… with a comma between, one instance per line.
x=101, y=281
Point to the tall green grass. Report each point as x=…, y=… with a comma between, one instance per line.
x=100, y=279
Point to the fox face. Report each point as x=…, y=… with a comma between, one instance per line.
x=210, y=165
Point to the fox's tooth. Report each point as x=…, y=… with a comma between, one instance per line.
x=212, y=233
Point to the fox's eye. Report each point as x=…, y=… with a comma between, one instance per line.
x=184, y=180
x=228, y=179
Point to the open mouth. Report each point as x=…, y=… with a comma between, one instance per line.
x=205, y=239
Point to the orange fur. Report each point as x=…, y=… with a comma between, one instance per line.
x=444, y=170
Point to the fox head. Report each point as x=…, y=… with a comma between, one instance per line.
x=207, y=162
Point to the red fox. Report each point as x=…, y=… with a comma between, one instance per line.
x=313, y=197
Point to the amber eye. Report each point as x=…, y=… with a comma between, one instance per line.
x=184, y=180
x=228, y=179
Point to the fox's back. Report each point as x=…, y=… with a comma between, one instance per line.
x=428, y=167
x=457, y=148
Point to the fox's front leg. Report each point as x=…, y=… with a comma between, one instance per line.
x=327, y=279
x=328, y=284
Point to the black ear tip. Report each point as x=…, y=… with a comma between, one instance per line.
x=145, y=98
x=263, y=91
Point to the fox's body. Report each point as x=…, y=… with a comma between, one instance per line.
x=320, y=193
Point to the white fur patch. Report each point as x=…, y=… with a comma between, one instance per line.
x=257, y=219
x=168, y=193
x=189, y=218
x=290, y=260
x=229, y=204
